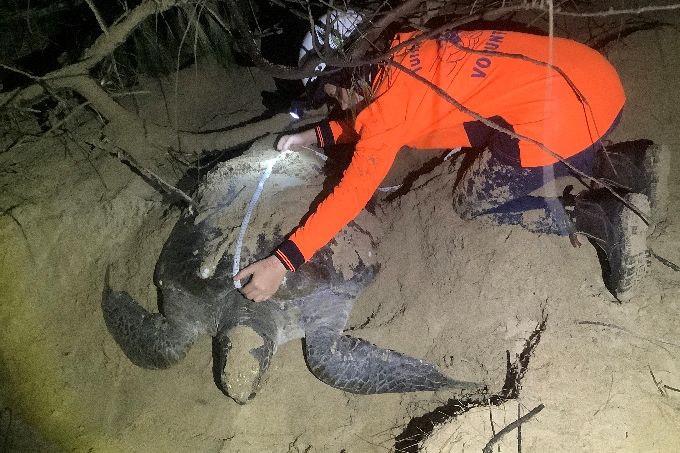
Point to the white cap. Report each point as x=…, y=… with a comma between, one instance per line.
x=342, y=25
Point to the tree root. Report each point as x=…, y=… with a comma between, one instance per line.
x=420, y=427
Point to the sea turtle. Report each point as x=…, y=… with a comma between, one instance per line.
x=197, y=295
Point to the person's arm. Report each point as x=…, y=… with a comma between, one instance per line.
x=362, y=177
x=323, y=134
x=267, y=274
x=359, y=182
x=328, y=133
x=302, y=138
x=379, y=131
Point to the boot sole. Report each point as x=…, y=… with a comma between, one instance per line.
x=657, y=166
x=630, y=261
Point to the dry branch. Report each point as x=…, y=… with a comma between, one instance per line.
x=77, y=76
x=103, y=46
x=658, y=384
x=154, y=179
x=8, y=16
x=98, y=16
x=619, y=12
x=516, y=424
x=668, y=387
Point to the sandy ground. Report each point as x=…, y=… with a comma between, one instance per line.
x=457, y=293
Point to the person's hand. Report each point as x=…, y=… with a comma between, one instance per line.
x=267, y=277
x=304, y=138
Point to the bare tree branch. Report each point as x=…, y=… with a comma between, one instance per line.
x=103, y=46
x=98, y=16
x=252, y=48
x=618, y=12
x=19, y=71
x=77, y=77
x=377, y=27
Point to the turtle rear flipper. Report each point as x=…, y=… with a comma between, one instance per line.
x=148, y=339
x=358, y=366
x=241, y=356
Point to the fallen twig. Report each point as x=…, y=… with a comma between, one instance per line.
x=665, y=262
x=493, y=426
x=516, y=424
x=127, y=159
x=519, y=429
x=614, y=326
x=659, y=387
x=8, y=213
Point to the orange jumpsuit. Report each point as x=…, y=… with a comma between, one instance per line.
x=567, y=116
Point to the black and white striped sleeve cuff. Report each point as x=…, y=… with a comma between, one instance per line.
x=289, y=255
x=324, y=134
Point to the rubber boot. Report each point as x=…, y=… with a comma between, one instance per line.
x=619, y=233
x=638, y=166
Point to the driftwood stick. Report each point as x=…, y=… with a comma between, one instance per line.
x=519, y=428
x=516, y=424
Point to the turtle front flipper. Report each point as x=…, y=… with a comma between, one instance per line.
x=149, y=340
x=358, y=366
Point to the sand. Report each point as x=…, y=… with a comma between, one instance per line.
x=458, y=293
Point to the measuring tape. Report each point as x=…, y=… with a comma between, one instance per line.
x=236, y=266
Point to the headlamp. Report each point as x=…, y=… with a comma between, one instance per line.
x=297, y=109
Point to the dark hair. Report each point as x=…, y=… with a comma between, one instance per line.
x=316, y=94
x=341, y=77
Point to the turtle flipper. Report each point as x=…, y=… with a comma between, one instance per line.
x=243, y=348
x=149, y=340
x=241, y=356
x=357, y=366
